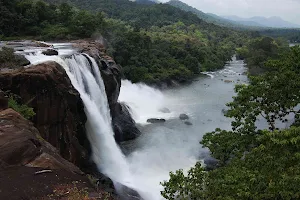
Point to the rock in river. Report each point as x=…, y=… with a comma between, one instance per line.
x=50, y=52
x=184, y=117
x=165, y=110
x=188, y=123
x=155, y=120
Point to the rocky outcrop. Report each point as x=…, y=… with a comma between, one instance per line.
x=31, y=168
x=22, y=145
x=59, y=117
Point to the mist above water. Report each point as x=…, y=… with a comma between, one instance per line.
x=173, y=145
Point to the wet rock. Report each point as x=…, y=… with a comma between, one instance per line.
x=156, y=121
x=183, y=117
x=124, y=126
x=50, y=52
x=127, y=193
x=228, y=81
x=188, y=123
x=165, y=110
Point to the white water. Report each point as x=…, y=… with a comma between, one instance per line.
x=145, y=102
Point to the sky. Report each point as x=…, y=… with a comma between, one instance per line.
x=286, y=9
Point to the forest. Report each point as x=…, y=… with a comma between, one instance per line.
x=172, y=45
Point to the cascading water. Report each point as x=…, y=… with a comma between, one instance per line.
x=85, y=76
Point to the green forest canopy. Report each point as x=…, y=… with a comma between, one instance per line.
x=154, y=43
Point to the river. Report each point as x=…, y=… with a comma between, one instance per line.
x=174, y=145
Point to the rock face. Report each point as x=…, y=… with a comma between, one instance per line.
x=31, y=168
x=123, y=124
x=59, y=117
x=22, y=145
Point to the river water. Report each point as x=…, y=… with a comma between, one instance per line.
x=174, y=145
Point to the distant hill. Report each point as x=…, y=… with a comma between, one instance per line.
x=147, y=2
x=210, y=18
x=213, y=18
x=275, y=22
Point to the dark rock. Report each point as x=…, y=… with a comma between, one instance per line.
x=123, y=124
x=21, y=60
x=156, y=121
x=22, y=145
x=184, y=117
x=127, y=193
x=188, y=123
x=164, y=110
x=3, y=101
x=50, y=52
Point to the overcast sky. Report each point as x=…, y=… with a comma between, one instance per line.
x=286, y=9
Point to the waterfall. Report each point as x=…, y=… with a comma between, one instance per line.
x=85, y=76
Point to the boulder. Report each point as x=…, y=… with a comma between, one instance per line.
x=156, y=120
x=228, y=81
x=22, y=145
x=164, y=110
x=183, y=117
x=50, y=52
x=188, y=123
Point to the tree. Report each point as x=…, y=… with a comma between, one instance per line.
x=254, y=163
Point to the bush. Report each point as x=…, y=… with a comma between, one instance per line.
x=23, y=109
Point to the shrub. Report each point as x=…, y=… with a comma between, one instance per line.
x=23, y=109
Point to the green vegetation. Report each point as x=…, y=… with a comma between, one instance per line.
x=154, y=43
x=257, y=51
x=46, y=21
x=253, y=163
x=23, y=109
x=10, y=60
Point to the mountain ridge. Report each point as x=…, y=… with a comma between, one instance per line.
x=274, y=21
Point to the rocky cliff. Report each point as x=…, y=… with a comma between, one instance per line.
x=31, y=168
